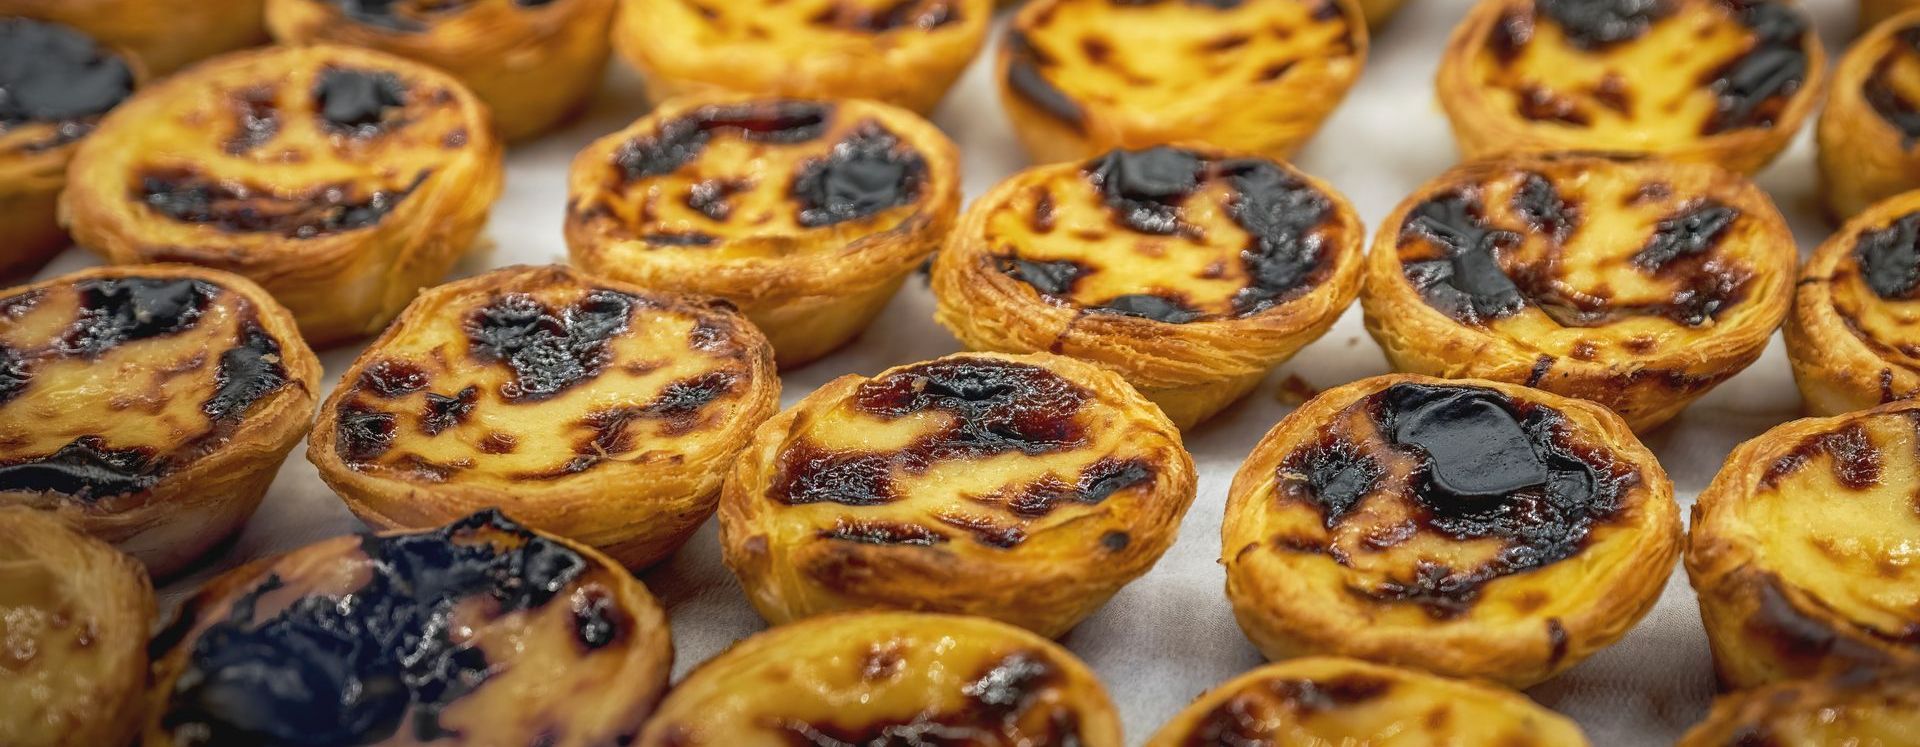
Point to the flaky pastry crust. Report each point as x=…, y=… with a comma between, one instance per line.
x=165, y=35
x=1023, y=488
x=1867, y=130
x=341, y=179
x=1862, y=707
x=150, y=406
x=1468, y=528
x=1191, y=271
x=1850, y=338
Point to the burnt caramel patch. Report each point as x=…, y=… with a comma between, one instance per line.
x=363, y=434
x=1692, y=232
x=549, y=350
x=1054, y=278
x=409, y=16
x=190, y=196
x=1169, y=308
x=868, y=172
x=1880, y=93
x=117, y=311
x=1144, y=188
x=1539, y=203
x=1012, y=701
x=1598, y=24
x=361, y=103
x=1099, y=482
x=883, y=533
x=443, y=412
x=85, y=469
x=680, y=141
x=1025, y=77
x=1334, y=475
x=53, y=74
x=248, y=372
x=1752, y=90
x=1280, y=212
x=1889, y=258
x=391, y=379
x=1468, y=283
x=900, y=15
x=15, y=373
x=1857, y=463
x=256, y=120
x=598, y=621
x=1253, y=716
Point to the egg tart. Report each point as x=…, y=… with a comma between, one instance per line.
x=903, y=52
x=1469, y=528
x=1331, y=701
x=1023, y=488
x=596, y=411
x=1726, y=82
x=888, y=678
x=1191, y=271
x=55, y=83
x=1799, y=548
x=74, y=615
x=342, y=180
x=1857, y=708
x=1638, y=284
x=150, y=406
x=806, y=214
x=481, y=632
x=1081, y=77
x=1871, y=123
x=534, y=62
x=164, y=35
x=1851, y=338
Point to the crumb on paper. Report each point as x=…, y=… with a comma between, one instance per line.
x=1295, y=390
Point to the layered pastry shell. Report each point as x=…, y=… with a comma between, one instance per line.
x=164, y=35
x=1870, y=124
x=1850, y=339
x=1860, y=707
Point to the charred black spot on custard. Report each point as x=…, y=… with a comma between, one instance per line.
x=1539, y=203
x=678, y=142
x=51, y=73
x=362, y=103
x=1280, y=212
x=1598, y=24
x=1252, y=715
x=323, y=672
x=870, y=171
x=1025, y=63
x=1012, y=701
x=443, y=412
x=1694, y=231
x=1856, y=462
x=85, y=469
x=190, y=196
x=15, y=373
x=1468, y=283
x=883, y=533
x=391, y=379
x=1054, y=277
x=548, y=350
x=1100, y=481
x=256, y=119
x=117, y=311
x=408, y=17
x=921, y=15
x=1144, y=188
x=1753, y=89
x=1889, y=258
x=363, y=434
x=1880, y=93
x=1333, y=474
x=248, y=372
x=1683, y=245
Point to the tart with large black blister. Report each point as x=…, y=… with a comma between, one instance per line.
x=806, y=214
x=1469, y=528
x=1191, y=271
x=1852, y=339
x=343, y=180
x=534, y=62
x=164, y=35
x=150, y=406
x=1027, y=488
x=1726, y=82
x=478, y=633
x=1636, y=283
x=1799, y=549
x=1869, y=130
x=55, y=85
x=1081, y=77
x=1861, y=707
x=74, y=617
x=889, y=678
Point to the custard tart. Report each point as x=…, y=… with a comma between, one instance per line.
x=889, y=678
x=1469, y=528
x=164, y=35
x=74, y=615
x=1081, y=77
x=1639, y=284
x=596, y=411
x=55, y=84
x=481, y=632
x=1191, y=271
x=1332, y=701
x=1871, y=124
x=903, y=52
x=806, y=214
x=149, y=406
x=534, y=62
x=1023, y=488
x=1726, y=82
x=1858, y=708
x=1851, y=339
x=1799, y=549
x=342, y=180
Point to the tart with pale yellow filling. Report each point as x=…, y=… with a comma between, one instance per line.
x=903, y=52
x=1191, y=271
x=806, y=214
x=149, y=406
x=889, y=678
x=1862, y=707
x=1469, y=528
x=1853, y=340
x=1023, y=488
x=1331, y=701
x=1726, y=82
x=1081, y=77
x=343, y=180
x=593, y=410
x=1801, y=549
x=480, y=632
x=534, y=62
x=1870, y=127
x=1638, y=284
x=164, y=35
x=74, y=616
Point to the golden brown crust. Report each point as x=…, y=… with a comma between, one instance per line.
x=1873, y=12
x=1081, y=77
x=1193, y=301
x=1860, y=707
x=1636, y=283
x=594, y=410
x=756, y=201
x=535, y=65
x=74, y=615
x=1866, y=130
x=1849, y=338
x=885, y=677
x=906, y=55
x=1321, y=700
x=1538, y=534
x=165, y=35
x=1798, y=549
x=1693, y=80
x=150, y=406
x=1023, y=488
x=343, y=180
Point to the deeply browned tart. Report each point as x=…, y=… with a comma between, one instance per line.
x=343, y=180
x=589, y=409
x=150, y=406
x=1871, y=123
x=1636, y=283
x=1852, y=338
x=1726, y=82
x=1469, y=528
x=806, y=214
x=1191, y=271
x=1862, y=707
x=1023, y=488
x=164, y=35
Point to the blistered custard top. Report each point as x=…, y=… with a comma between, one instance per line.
x=1892, y=85
x=800, y=27
x=1861, y=707
x=1875, y=290
x=419, y=16
x=55, y=84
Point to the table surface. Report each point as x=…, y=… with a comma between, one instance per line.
x=1170, y=635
